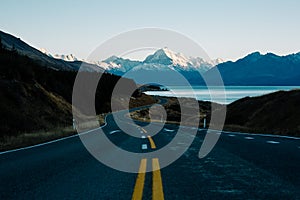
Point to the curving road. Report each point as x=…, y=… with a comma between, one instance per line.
x=241, y=166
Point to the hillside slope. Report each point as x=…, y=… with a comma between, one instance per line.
x=272, y=113
x=35, y=97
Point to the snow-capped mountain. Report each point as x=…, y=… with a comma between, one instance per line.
x=166, y=56
x=162, y=59
x=69, y=57
x=11, y=42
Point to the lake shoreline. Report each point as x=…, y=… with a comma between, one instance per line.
x=220, y=94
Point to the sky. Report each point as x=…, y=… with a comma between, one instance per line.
x=224, y=29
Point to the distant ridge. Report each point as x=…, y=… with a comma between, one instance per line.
x=258, y=69
x=254, y=69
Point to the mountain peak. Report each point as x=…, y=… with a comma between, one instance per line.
x=111, y=59
x=254, y=54
x=252, y=57
x=68, y=57
x=159, y=57
x=166, y=56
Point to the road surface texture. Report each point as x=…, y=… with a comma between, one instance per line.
x=241, y=166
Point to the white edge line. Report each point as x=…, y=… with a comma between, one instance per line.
x=168, y=130
x=272, y=142
x=53, y=141
x=115, y=131
x=264, y=135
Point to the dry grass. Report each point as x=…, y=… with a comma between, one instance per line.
x=8, y=142
x=33, y=138
x=172, y=109
x=27, y=139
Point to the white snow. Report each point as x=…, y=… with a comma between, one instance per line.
x=69, y=57
x=177, y=58
x=178, y=62
x=181, y=61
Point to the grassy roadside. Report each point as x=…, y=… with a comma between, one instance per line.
x=143, y=116
x=28, y=139
x=173, y=112
x=33, y=138
x=257, y=115
x=9, y=142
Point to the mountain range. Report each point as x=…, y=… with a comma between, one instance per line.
x=253, y=69
x=259, y=69
x=69, y=57
x=163, y=59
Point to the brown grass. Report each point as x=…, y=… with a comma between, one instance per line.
x=27, y=139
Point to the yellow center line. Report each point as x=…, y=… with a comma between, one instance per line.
x=157, y=188
x=139, y=184
x=152, y=144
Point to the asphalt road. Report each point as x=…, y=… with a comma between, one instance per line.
x=241, y=166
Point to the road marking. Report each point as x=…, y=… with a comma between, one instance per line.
x=249, y=138
x=231, y=135
x=140, y=181
x=116, y=131
x=143, y=136
x=263, y=135
x=144, y=146
x=157, y=188
x=273, y=142
x=168, y=130
x=144, y=130
x=152, y=144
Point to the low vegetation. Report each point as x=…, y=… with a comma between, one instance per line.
x=275, y=113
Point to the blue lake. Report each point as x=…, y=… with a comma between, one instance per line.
x=224, y=95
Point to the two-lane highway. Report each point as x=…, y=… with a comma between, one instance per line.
x=241, y=166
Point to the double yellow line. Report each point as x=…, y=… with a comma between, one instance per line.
x=157, y=188
x=140, y=180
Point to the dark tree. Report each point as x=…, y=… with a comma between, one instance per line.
x=1, y=46
x=13, y=49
